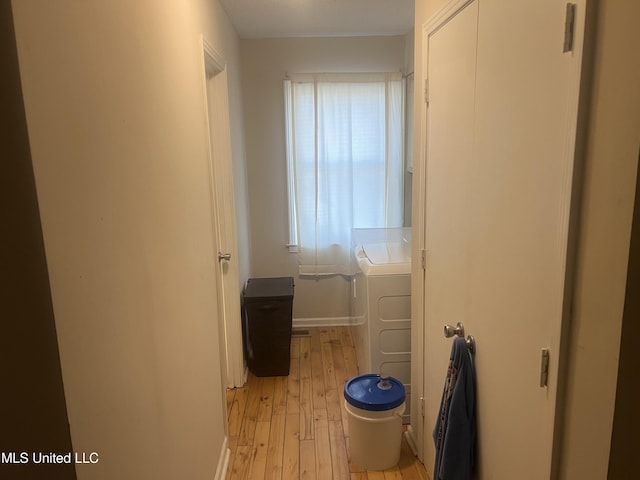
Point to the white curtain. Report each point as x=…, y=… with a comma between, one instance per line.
x=346, y=163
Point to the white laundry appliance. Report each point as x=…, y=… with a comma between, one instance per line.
x=381, y=303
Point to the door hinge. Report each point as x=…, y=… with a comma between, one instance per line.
x=422, y=406
x=423, y=258
x=569, y=26
x=544, y=368
x=426, y=91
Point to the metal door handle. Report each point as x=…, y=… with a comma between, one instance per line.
x=450, y=331
x=224, y=256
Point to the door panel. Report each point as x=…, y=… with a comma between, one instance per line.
x=450, y=126
x=498, y=197
x=224, y=218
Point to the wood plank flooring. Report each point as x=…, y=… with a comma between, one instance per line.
x=296, y=427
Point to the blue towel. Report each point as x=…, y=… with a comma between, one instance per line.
x=455, y=431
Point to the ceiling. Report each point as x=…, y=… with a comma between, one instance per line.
x=319, y=18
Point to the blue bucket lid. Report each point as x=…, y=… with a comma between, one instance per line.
x=369, y=392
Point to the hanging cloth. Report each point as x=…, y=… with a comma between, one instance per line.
x=345, y=161
x=455, y=431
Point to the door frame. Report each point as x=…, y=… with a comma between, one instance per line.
x=232, y=358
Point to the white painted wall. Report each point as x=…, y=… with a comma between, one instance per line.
x=114, y=98
x=265, y=63
x=609, y=181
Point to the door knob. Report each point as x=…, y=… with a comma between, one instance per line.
x=450, y=331
x=224, y=256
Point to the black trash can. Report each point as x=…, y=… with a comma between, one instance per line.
x=267, y=316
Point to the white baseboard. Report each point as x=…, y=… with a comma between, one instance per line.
x=223, y=460
x=322, y=322
x=409, y=435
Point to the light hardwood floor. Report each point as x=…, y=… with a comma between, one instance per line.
x=296, y=427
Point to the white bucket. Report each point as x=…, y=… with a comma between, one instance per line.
x=375, y=437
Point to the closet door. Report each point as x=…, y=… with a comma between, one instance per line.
x=451, y=71
x=499, y=173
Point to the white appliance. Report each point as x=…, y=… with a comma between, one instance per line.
x=381, y=303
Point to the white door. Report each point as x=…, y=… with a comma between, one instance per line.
x=224, y=216
x=501, y=119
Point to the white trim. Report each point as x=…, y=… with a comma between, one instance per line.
x=223, y=460
x=214, y=62
x=442, y=16
x=344, y=77
x=291, y=182
x=411, y=441
x=323, y=322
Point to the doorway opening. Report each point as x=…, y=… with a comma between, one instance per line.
x=223, y=217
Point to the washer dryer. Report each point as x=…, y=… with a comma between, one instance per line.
x=381, y=309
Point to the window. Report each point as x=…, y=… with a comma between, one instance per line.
x=345, y=163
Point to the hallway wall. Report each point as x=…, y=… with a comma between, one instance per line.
x=114, y=98
x=265, y=63
x=33, y=404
